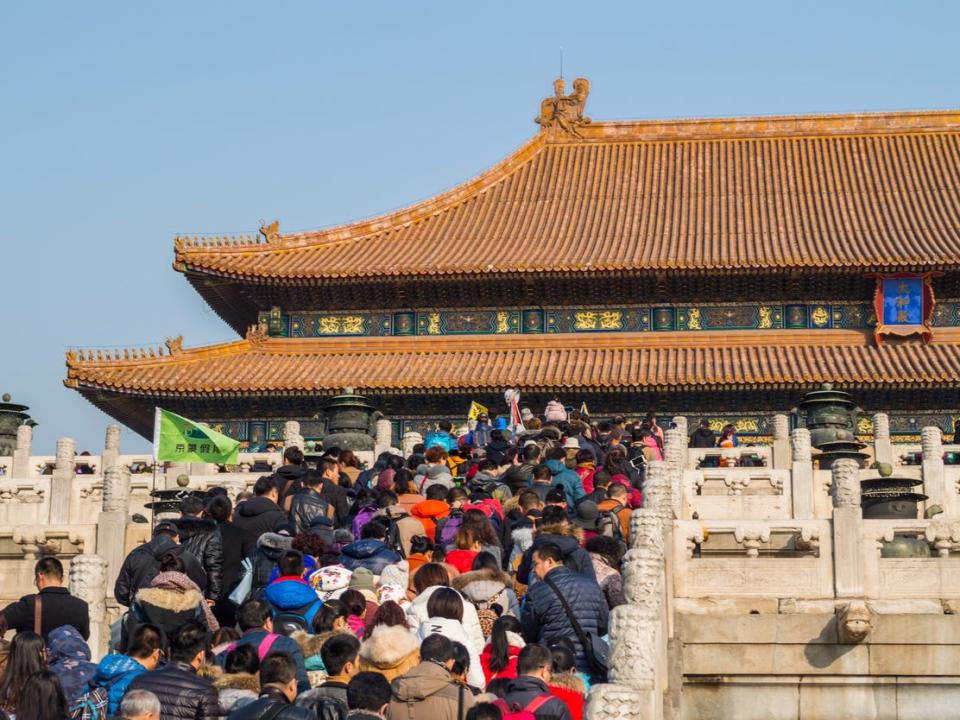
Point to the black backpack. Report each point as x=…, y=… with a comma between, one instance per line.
x=608, y=525
x=287, y=622
x=392, y=539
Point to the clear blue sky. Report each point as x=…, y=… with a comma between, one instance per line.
x=124, y=123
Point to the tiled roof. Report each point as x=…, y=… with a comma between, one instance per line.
x=865, y=191
x=620, y=361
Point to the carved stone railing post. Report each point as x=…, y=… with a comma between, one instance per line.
x=112, y=523
x=802, y=486
x=61, y=484
x=111, y=448
x=675, y=454
x=934, y=477
x=21, y=455
x=88, y=581
x=681, y=422
x=410, y=438
x=848, y=571
x=781, y=441
x=384, y=436
x=882, y=449
x=291, y=435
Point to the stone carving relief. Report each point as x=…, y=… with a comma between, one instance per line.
x=931, y=444
x=565, y=111
x=881, y=426
x=66, y=450
x=845, y=484
x=88, y=580
x=112, y=440
x=116, y=489
x=633, y=645
x=646, y=530
x=800, y=445
x=781, y=426
x=29, y=494
x=643, y=577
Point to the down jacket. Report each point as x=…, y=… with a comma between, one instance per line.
x=183, y=694
x=370, y=553
x=567, y=480
x=544, y=618
x=202, y=538
x=427, y=693
x=270, y=547
x=258, y=515
x=142, y=565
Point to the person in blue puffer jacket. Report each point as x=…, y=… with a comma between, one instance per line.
x=291, y=594
x=441, y=437
x=115, y=672
x=563, y=477
x=370, y=552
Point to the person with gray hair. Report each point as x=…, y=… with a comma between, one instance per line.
x=140, y=705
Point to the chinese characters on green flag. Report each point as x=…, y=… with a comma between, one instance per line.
x=178, y=439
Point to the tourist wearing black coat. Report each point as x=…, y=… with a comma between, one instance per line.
x=259, y=515
x=183, y=694
x=143, y=564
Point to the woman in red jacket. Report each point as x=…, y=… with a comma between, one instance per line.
x=565, y=683
x=499, y=657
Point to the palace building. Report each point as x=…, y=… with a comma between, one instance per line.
x=715, y=268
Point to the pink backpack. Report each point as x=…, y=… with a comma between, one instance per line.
x=263, y=649
x=515, y=712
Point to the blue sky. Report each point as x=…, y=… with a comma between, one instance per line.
x=125, y=123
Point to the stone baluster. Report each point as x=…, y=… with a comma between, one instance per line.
x=410, y=438
x=291, y=435
x=112, y=523
x=802, y=474
x=21, y=455
x=111, y=448
x=659, y=502
x=611, y=701
x=848, y=570
x=934, y=477
x=383, y=436
x=882, y=448
x=646, y=529
x=681, y=422
x=781, y=441
x=675, y=454
x=88, y=581
x=61, y=484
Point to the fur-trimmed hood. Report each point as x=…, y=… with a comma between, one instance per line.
x=210, y=671
x=389, y=646
x=275, y=541
x=481, y=585
x=170, y=599
x=561, y=529
x=522, y=537
x=568, y=681
x=310, y=644
x=238, y=681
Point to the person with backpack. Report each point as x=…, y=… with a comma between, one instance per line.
x=278, y=690
x=255, y=618
x=480, y=436
x=143, y=563
x=427, y=692
x=171, y=600
x=289, y=476
x=616, y=504
x=329, y=700
x=431, y=510
x=529, y=692
x=201, y=537
x=293, y=599
x=115, y=672
x=427, y=580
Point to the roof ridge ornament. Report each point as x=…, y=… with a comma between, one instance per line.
x=257, y=334
x=271, y=232
x=565, y=111
x=174, y=345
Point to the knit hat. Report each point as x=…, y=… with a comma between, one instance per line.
x=362, y=580
x=397, y=574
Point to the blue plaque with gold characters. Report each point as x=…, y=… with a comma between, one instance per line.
x=904, y=305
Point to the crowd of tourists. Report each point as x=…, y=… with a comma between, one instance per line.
x=471, y=580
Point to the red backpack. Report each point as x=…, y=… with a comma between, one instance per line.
x=515, y=712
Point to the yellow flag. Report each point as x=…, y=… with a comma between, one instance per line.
x=583, y=410
x=476, y=409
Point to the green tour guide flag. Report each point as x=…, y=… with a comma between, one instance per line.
x=180, y=440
